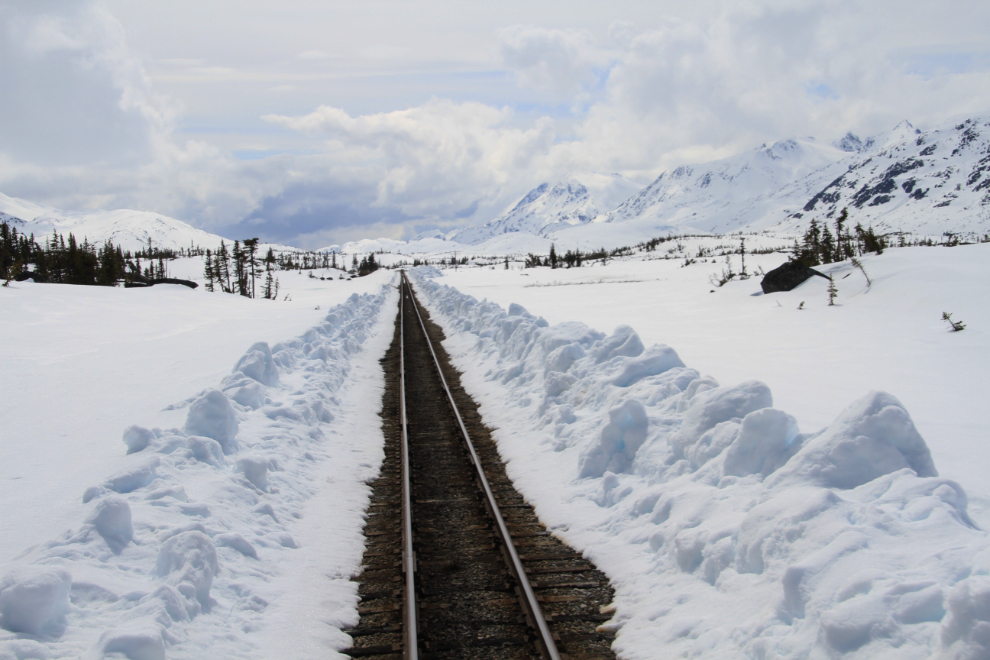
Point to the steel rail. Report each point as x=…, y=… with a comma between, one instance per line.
x=410, y=624
x=529, y=597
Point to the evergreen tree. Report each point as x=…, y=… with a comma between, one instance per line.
x=868, y=241
x=250, y=249
x=268, y=290
x=833, y=291
x=239, y=257
x=843, y=240
x=208, y=270
x=813, y=242
x=221, y=266
x=827, y=250
x=553, y=256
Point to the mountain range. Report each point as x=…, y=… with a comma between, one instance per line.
x=903, y=180
x=131, y=230
x=548, y=209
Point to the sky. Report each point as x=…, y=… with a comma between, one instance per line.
x=312, y=123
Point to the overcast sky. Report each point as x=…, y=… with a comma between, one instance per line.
x=314, y=122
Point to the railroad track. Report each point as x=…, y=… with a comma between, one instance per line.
x=456, y=562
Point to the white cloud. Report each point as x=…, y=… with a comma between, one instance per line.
x=313, y=55
x=82, y=126
x=72, y=91
x=560, y=62
x=434, y=159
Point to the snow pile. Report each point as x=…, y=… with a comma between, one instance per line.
x=186, y=550
x=727, y=531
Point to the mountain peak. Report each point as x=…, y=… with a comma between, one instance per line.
x=543, y=210
x=531, y=196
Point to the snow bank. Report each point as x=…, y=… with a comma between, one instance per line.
x=34, y=599
x=183, y=552
x=726, y=531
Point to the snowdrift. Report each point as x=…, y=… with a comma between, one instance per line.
x=726, y=531
x=186, y=552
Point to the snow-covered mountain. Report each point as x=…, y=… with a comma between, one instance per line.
x=548, y=209
x=129, y=229
x=927, y=182
x=902, y=180
x=721, y=196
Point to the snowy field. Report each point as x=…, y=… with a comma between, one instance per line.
x=237, y=527
x=816, y=360
x=172, y=488
x=802, y=516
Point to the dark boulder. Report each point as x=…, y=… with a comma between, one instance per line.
x=173, y=280
x=787, y=277
x=137, y=284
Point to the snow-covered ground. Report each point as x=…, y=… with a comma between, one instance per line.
x=888, y=336
x=802, y=516
x=237, y=528
x=729, y=526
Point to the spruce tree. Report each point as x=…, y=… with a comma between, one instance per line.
x=833, y=291
x=221, y=266
x=208, y=270
x=240, y=270
x=827, y=251
x=250, y=249
x=843, y=240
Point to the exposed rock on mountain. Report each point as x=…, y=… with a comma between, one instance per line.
x=921, y=182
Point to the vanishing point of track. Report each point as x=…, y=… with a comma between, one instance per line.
x=456, y=562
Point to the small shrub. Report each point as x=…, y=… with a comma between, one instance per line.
x=856, y=262
x=955, y=326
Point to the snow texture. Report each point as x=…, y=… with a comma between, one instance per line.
x=34, y=599
x=191, y=549
x=726, y=531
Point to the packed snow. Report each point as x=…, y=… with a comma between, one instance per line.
x=168, y=493
x=729, y=527
x=165, y=497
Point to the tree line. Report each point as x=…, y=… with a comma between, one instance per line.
x=64, y=260
x=821, y=246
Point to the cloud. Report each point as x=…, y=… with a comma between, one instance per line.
x=313, y=55
x=433, y=160
x=560, y=62
x=81, y=126
x=73, y=94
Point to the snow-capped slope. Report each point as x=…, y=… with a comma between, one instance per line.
x=922, y=182
x=128, y=229
x=901, y=180
x=548, y=209
x=719, y=196
x=542, y=209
